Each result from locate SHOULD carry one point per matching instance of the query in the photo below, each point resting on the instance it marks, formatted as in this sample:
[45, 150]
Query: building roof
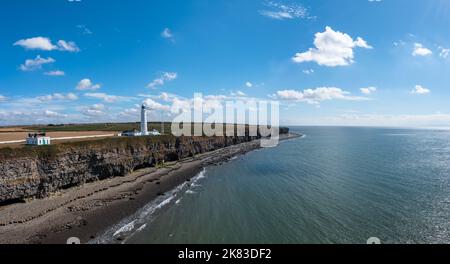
[37, 135]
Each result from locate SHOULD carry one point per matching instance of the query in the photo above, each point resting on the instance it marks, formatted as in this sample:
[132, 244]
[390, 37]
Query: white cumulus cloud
[36, 64]
[68, 46]
[238, 94]
[55, 73]
[43, 43]
[444, 52]
[165, 77]
[86, 84]
[368, 90]
[95, 110]
[84, 30]
[420, 50]
[58, 96]
[53, 114]
[419, 89]
[308, 72]
[155, 105]
[332, 48]
[315, 96]
[167, 34]
[107, 98]
[37, 43]
[281, 11]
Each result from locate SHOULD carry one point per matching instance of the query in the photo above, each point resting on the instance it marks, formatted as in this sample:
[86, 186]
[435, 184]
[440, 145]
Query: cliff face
[37, 172]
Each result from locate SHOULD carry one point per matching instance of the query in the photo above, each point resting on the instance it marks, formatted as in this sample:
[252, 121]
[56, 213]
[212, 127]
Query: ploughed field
[13, 136]
[71, 130]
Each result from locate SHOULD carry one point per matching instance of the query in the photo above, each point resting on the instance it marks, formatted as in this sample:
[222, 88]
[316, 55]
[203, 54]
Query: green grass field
[99, 127]
[117, 127]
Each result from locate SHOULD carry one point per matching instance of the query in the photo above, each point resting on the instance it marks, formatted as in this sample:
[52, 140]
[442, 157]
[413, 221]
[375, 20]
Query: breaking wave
[126, 228]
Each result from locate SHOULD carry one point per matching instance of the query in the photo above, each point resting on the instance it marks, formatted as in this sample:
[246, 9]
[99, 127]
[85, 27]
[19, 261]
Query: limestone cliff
[35, 172]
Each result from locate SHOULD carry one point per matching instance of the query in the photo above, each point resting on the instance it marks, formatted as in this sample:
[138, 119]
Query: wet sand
[87, 211]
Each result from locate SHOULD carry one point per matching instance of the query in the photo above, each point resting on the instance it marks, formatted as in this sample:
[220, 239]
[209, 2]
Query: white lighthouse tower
[144, 128]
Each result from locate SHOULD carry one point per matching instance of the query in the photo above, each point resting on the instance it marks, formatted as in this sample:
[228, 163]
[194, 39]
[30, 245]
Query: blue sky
[349, 62]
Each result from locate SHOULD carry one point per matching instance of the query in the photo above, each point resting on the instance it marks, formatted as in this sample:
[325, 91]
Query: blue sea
[334, 185]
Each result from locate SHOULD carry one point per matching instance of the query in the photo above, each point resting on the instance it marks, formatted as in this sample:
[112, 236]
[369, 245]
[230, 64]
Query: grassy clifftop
[52, 150]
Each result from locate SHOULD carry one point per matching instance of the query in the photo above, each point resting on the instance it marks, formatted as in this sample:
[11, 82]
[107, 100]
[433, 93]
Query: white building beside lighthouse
[38, 139]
